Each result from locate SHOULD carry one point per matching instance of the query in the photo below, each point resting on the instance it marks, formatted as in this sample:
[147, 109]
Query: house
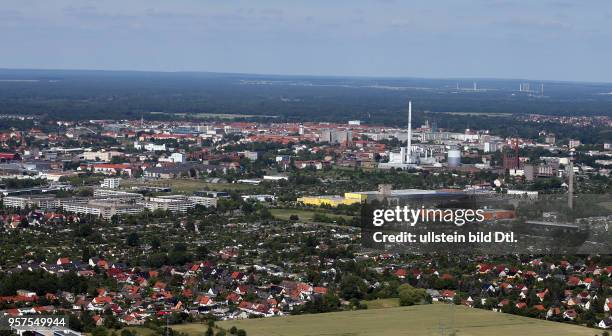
[159, 286]
[205, 301]
[304, 288]
[113, 169]
[26, 293]
[320, 290]
[98, 320]
[63, 261]
[570, 314]
[401, 273]
[233, 297]
[7, 157]
[133, 319]
[503, 303]
[435, 295]
[448, 294]
[241, 290]
[605, 323]
[542, 295]
[554, 311]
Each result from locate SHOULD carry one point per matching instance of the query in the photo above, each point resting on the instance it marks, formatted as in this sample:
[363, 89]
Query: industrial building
[410, 156]
[174, 203]
[107, 203]
[178, 203]
[406, 158]
[38, 202]
[332, 201]
[454, 158]
[384, 192]
[105, 208]
[116, 194]
[532, 171]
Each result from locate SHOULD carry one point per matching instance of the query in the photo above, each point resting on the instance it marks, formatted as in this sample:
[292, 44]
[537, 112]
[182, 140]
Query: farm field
[415, 320]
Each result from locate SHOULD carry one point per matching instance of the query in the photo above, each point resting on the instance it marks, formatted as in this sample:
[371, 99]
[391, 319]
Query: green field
[140, 331]
[415, 320]
[192, 329]
[188, 186]
[304, 214]
[381, 303]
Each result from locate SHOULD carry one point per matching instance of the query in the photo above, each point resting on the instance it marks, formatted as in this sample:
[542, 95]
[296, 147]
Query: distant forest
[131, 95]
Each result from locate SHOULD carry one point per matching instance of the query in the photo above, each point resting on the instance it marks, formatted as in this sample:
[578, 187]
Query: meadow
[435, 319]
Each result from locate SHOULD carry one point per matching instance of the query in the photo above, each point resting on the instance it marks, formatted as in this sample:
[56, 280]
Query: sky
[523, 39]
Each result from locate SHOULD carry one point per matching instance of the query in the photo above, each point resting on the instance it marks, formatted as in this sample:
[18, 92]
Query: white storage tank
[454, 158]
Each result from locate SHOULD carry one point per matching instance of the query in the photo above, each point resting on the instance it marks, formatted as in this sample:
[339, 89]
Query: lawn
[435, 319]
[303, 214]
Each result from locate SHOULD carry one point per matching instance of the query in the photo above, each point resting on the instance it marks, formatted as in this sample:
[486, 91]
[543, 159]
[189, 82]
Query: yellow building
[358, 196]
[333, 201]
[415, 196]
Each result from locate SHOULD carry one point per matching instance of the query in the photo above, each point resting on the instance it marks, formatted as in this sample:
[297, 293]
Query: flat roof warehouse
[384, 192]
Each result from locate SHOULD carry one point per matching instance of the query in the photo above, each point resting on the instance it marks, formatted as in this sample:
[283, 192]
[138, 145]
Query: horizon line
[305, 75]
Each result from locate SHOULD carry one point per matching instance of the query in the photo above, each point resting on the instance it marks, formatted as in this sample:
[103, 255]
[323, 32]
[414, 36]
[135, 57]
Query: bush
[410, 296]
[99, 331]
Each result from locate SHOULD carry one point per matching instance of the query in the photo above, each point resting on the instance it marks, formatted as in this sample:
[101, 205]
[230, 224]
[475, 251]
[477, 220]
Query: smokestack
[570, 186]
[409, 143]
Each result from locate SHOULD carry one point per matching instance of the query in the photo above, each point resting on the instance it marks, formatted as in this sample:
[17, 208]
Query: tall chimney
[409, 143]
[570, 186]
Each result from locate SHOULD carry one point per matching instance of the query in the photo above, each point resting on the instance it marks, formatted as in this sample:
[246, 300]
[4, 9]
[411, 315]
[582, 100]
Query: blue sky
[538, 39]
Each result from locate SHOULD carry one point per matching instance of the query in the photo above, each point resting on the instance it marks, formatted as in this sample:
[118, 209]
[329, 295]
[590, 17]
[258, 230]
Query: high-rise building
[336, 136]
[110, 183]
[490, 147]
[573, 143]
